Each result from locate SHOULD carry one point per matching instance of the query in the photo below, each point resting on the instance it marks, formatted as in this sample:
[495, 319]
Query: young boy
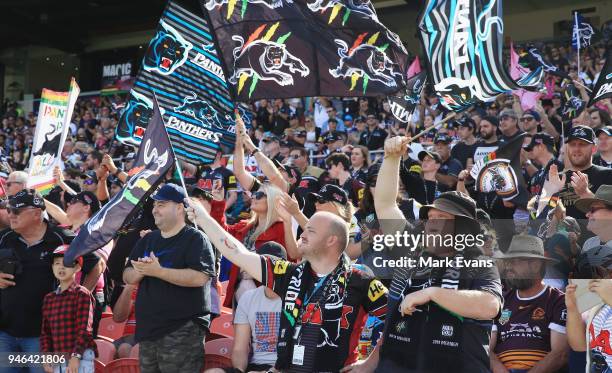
[67, 316]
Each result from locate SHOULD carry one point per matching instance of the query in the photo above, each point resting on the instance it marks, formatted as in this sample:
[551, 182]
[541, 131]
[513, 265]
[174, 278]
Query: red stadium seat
[123, 366]
[135, 351]
[221, 346]
[98, 366]
[110, 329]
[106, 350]
[216, 361]
[223, 325]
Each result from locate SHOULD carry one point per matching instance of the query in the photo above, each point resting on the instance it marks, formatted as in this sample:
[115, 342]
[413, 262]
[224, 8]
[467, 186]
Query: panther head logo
[167, 51]
[136, 115]
[274, 56]
[379, 60]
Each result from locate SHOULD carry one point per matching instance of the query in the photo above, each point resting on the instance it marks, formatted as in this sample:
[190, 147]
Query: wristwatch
[255, 151]
[78, 356]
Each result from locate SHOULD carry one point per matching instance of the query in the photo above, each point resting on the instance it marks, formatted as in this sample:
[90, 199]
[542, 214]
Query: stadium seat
[110, 329]
[223, 325]
[98, 366]
[216, 361]
[128, 365]
[106, 350]
[135, 351]
[221, 346]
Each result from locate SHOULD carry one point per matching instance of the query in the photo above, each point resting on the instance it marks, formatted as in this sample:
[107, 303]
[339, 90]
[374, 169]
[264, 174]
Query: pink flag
[528, 99]
[415, 68]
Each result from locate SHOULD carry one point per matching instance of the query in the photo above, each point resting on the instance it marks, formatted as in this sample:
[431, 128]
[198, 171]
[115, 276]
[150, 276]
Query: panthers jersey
[208, 177]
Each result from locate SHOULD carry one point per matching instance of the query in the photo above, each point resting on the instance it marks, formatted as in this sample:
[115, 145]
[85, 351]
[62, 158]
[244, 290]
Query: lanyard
[314, 291]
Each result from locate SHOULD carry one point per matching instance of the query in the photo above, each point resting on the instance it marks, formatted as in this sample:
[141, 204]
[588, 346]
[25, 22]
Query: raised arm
[385, 195]
[57, 213]
[244, 178]
[229, 246]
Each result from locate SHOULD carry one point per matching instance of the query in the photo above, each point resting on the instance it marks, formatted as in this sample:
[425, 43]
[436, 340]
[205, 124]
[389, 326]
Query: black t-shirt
[451, 167]
[373, 139]
[599, 161]
[162, 307]
[21, 305]
[360, 174]
[434, 340]
[462, 151]
[423, 191]
[208, 176]
[263, 119]
[597, 177]
[340, 319]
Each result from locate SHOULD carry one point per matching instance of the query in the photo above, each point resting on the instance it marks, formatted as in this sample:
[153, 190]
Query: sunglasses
[527, 119]
[88, 182]
[259, 195]
[18, 211]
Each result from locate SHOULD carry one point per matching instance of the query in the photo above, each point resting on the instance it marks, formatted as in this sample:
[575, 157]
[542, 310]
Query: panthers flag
[463, 43]
[500, 171]
[154, 159]
[402, 105]
[295, 48]
[581, 33]
[532, 58]
[182, 68]
[603, 86]
[574, 105]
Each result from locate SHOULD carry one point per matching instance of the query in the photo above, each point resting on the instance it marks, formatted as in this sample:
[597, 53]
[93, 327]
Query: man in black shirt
[26, 250]
[374, 136]
[172, 267]
[508, 125]
[450, 167]
[541, 151]
[325, 299]
[339, 166]
[432, 324]
[488, 135]
[209, 176]
[463, 151]
[423, 186]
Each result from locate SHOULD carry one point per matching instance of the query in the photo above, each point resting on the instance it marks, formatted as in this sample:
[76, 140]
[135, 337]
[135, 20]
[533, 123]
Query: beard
[520, 283]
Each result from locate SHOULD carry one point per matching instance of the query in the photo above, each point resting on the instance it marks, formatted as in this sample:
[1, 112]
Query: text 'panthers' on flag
[463, 43]
[295, 48]
[603, 86]
[54, 116]
[182, 68]
[500, 171]
[154, 159]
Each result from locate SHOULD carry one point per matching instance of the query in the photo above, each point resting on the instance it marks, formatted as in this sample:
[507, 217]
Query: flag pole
[577, 36]
[426, 130]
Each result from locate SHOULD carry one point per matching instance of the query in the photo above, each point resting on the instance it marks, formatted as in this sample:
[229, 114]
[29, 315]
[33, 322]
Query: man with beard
[541, 151]
[488, 134]
[432, 325]
[530, 333]
[581, 177]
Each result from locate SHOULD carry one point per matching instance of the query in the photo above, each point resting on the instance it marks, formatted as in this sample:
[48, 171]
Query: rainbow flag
[54, 117]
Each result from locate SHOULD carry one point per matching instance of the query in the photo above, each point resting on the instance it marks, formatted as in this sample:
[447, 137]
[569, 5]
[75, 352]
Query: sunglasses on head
[259, 195]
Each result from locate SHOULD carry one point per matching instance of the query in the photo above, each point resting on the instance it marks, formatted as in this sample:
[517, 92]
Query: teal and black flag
[182, 68]
[154, 159]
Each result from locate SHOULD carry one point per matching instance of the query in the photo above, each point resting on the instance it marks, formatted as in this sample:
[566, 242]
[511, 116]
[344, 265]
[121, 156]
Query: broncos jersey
[525, 325]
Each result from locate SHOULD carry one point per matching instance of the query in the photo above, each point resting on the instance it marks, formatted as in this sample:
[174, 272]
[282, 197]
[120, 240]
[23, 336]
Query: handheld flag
[500, 171]
[54, 116]
[528, 99]
[581, 33]
[603, 86]
[463, 43]
[154, 159]
[573, 103]
[534, 59]
[182, 68]
[295, 48]
[403, 105]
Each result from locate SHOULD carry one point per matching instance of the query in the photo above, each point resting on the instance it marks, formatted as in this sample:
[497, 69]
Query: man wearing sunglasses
[29, 243]
[508, 125]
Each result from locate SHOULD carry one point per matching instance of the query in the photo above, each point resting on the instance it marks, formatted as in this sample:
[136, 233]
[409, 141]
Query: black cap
[332, 119]
[541, 138]
[442, 137]
[467, 122]
[332, 136]
[583, 133]
[27, 198]
[360, 118]
[491, 119]
[331, 193]
[435, 156]
[89, 199]
[274, 249]
[607, 130]
[198, 192]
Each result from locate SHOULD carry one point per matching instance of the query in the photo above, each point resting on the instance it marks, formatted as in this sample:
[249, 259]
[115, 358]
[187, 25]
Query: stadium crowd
[280, 235]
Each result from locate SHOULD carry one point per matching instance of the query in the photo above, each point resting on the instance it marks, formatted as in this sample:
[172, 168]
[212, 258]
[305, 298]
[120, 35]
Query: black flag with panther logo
[463, 44]
[403, 105]
[154, 159]
[295, 48]
[573, 103]
[603, 86]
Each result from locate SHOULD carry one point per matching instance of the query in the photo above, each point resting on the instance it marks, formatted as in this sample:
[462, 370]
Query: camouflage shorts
[179, 351]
